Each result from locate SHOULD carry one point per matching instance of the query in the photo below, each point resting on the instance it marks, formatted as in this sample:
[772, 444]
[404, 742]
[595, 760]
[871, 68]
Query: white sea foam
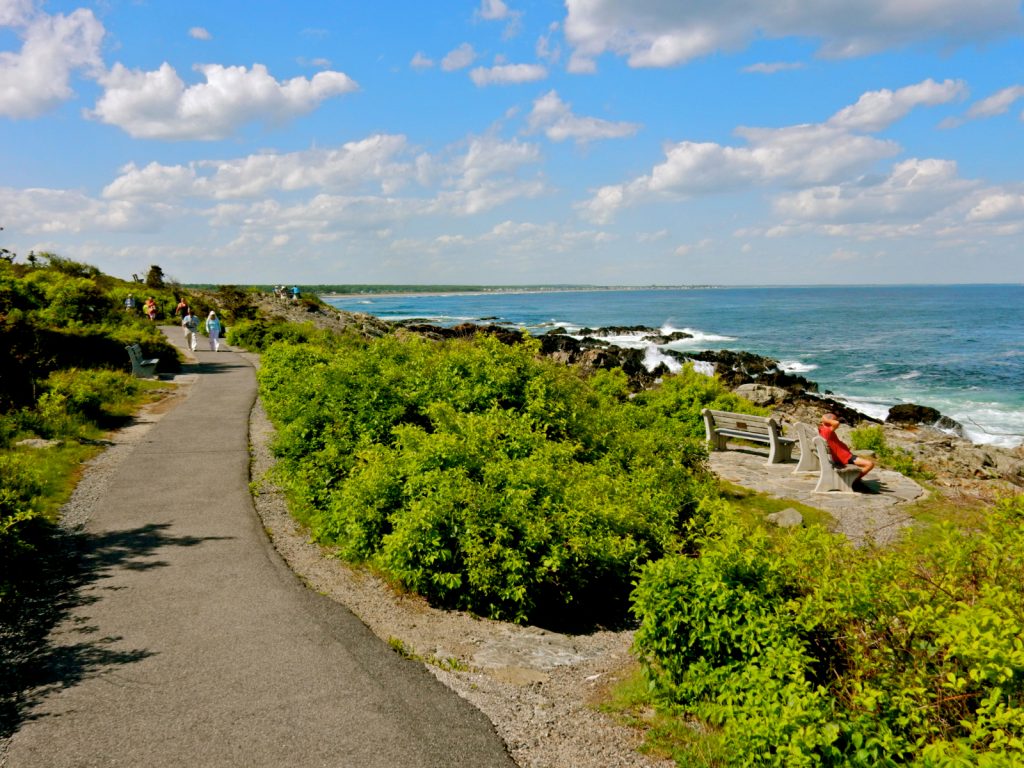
[795, 366]
[699, 337]
[988, 425]
[983, 423]
[653, 357]
[704, 367]
[876, 409]
[909, 375]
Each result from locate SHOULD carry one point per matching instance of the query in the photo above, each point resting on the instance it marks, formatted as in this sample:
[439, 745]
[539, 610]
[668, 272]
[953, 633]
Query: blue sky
[517, 142]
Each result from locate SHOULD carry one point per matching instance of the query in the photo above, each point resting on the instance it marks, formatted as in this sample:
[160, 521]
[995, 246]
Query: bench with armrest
[141, 368]
[808, 463]
[833, 478]
[719, 426]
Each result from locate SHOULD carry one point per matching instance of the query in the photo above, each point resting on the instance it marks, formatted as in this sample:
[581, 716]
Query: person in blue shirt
[213, 329]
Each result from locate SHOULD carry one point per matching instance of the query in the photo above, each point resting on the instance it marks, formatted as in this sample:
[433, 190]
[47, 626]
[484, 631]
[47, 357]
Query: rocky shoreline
[933, 440]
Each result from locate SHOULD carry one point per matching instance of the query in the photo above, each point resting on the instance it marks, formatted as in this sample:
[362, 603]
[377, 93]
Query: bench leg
[780, 453]
[716, 442]
[832, 479]
[807, 464]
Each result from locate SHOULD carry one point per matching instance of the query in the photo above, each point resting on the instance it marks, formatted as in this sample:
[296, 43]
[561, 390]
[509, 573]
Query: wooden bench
[721, 425]
[142, 369]
[833, 478]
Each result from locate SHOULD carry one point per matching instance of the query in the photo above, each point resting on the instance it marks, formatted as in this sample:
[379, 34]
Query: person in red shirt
[841, 453]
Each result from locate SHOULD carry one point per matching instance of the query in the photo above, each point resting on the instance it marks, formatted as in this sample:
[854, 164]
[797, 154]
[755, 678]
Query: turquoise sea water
[956, 348]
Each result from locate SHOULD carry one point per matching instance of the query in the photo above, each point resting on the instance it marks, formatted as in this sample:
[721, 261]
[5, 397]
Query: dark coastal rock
[617, 330]
[736, 368]
[909, 413]
[662, 338]
[465, 331]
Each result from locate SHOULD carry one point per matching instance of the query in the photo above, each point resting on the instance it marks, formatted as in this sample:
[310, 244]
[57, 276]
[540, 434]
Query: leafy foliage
[804, 651]
[63, 376]
[479, 475]
[872, 438]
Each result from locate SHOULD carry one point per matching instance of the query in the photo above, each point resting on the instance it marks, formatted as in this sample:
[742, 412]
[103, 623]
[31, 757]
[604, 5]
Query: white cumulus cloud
[377, 161]
[159, 105]
[792, 156]
[493, 10]
[200, 33]
[998, 206]
[997, 103]
[654, 33]
[40, 211]
[508, 74]
[771, 67]
[37, 78]
[421, 61]
[913, 190]
[877, 110]
[555, 118]
[458, 58]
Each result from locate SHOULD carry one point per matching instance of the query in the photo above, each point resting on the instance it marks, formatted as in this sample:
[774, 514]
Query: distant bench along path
[192, 644]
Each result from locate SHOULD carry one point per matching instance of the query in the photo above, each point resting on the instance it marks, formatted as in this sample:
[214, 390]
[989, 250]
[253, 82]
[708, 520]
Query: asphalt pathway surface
[194, 645]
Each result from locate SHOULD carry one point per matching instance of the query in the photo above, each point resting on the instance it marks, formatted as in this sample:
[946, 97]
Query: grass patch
[753, 506]
[60, 468]
[666, 735]
[447, 663]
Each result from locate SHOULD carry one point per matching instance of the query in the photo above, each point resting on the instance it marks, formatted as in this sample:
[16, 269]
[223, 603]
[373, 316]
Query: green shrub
[872, 438]
[22, 484]
[803, 651]
[682, 396]
[91, 394]
[480, 475]
[258, 335]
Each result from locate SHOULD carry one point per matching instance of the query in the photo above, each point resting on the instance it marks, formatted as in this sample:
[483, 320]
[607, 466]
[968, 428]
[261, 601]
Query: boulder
[786, 518]
[910, 413]
[762, 394]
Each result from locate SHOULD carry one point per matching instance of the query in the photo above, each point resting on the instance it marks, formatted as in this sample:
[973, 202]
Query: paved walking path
[875, 516]
[192, 644]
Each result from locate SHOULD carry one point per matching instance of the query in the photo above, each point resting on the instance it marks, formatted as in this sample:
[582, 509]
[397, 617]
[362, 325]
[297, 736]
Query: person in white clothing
[190, 324]
[213, 329]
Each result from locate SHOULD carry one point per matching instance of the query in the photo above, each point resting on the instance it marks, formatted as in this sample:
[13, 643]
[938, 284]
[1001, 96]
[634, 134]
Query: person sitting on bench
[841, 453]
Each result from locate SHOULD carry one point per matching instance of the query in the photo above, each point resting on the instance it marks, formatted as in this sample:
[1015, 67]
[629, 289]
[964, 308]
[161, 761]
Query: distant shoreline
[485, 291]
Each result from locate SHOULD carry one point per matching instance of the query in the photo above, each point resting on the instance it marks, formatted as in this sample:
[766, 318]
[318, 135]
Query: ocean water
[959, 349]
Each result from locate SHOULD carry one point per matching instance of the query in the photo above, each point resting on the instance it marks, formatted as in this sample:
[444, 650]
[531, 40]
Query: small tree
[155, 278]
[5, 254]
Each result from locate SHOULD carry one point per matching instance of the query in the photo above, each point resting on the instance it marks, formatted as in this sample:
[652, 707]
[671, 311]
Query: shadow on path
[61, 575]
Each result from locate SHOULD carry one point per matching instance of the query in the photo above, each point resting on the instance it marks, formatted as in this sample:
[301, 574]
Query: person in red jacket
[841, 453]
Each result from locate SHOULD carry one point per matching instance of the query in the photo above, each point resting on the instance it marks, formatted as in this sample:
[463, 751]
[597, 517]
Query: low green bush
[684, 395]
[480, 475]
[801, 650]
[258, 335]
[872, 438]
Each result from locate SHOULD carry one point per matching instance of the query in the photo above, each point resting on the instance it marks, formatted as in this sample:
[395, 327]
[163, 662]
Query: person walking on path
[129, 303]
[190, 323]
[213, 330]
[840, 451]
[182, 308]
[189, 642]
[150, 309]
